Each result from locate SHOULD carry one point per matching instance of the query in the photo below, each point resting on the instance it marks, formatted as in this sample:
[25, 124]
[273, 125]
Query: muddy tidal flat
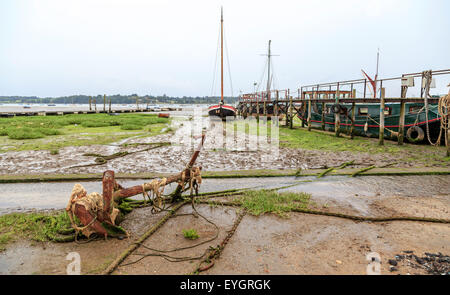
[265, 236]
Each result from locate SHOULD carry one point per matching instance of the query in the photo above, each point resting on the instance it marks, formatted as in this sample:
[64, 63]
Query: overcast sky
[58, 48]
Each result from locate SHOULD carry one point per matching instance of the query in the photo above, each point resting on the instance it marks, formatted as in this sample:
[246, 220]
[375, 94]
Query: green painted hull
[413, 117]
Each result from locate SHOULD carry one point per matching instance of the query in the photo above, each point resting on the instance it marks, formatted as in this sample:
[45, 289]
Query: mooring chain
[174, 258]
[214, 253]
[427, 75]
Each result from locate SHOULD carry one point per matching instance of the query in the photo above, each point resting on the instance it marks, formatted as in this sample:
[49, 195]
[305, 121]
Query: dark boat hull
[412, 118]
[222, 111]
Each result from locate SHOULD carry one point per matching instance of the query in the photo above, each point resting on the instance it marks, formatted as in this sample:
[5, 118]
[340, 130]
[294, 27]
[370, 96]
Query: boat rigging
[221, 110]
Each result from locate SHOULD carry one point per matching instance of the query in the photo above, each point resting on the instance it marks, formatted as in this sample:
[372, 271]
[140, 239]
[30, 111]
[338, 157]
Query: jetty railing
[285, 102]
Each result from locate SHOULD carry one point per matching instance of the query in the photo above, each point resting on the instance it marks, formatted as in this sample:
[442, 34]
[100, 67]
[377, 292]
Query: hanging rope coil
[393, 133]
[93, 203]
[195, 179]
[427, 75]
[444, 112]
[156, 187]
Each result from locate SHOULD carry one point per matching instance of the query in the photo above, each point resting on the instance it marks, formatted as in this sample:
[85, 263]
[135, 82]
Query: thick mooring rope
[444, 112]
[156, 187]
[214, 253]
[178, 259]
[147, 234]
[341, 215]
[93, 203]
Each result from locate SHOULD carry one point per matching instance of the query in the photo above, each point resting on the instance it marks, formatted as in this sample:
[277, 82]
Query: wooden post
[323, 115]
[108, 189]
[303, 110]
[447, 142]
[286, 107]
[257, 108]
[381, 131]
[309, 115]
[365, 86]
[265, 108]
[90, 105]
[104, 102]
[401, 123]
[337, 117]
[275, 106]
[110, 105]
[309, 110]
[291, 109]
[95, 104]
[352, 128]
[401, 119]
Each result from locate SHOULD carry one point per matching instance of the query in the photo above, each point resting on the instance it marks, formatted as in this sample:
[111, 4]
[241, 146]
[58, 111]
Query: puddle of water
[343, 186]
[359, 192]
[354, 192]
[15, 197]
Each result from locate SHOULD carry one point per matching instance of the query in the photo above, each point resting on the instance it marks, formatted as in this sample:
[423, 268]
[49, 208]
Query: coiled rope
[93, 204]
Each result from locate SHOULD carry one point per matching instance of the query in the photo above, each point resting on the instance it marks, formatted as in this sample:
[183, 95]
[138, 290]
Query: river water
[9, 108]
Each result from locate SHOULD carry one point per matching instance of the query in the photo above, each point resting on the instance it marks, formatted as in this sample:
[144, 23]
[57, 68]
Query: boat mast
[221, 54]
[376, 75]
[268, 70]
[378, 59]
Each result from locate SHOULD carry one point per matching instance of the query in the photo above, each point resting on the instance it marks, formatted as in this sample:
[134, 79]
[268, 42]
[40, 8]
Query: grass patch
[36, 226]
[131, 127]
[54, 152]
[54, 132]
[30, 133]
[259, 202]
[92, 124]
[190, 234]
[24, 133]
[301, 138]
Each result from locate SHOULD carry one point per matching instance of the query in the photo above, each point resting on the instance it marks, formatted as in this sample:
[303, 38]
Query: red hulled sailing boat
[221, 110]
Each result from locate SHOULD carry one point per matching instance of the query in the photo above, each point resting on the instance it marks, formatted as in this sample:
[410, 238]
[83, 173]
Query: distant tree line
[116, 99]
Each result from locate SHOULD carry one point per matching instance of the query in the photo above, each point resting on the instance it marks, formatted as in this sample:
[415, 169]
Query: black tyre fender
[420, 134]
[336, 108]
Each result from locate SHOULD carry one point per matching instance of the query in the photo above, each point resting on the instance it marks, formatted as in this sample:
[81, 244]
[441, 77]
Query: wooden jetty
[301, 103]
[104, 111]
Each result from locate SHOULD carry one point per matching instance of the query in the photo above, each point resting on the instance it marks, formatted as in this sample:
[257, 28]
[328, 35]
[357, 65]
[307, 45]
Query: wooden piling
[95, 104]
[287, 110]
[323, 115]
[337, 117]
[90, 105]
[303, 110]
[401, 123]
[275, 106]
[447, 142]
[108, 181]
[257, 108]
[309, 112]
[291, 109]
[104, 102]
[401, 119]
[381, 131]
[109, 111]
[352, 128]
